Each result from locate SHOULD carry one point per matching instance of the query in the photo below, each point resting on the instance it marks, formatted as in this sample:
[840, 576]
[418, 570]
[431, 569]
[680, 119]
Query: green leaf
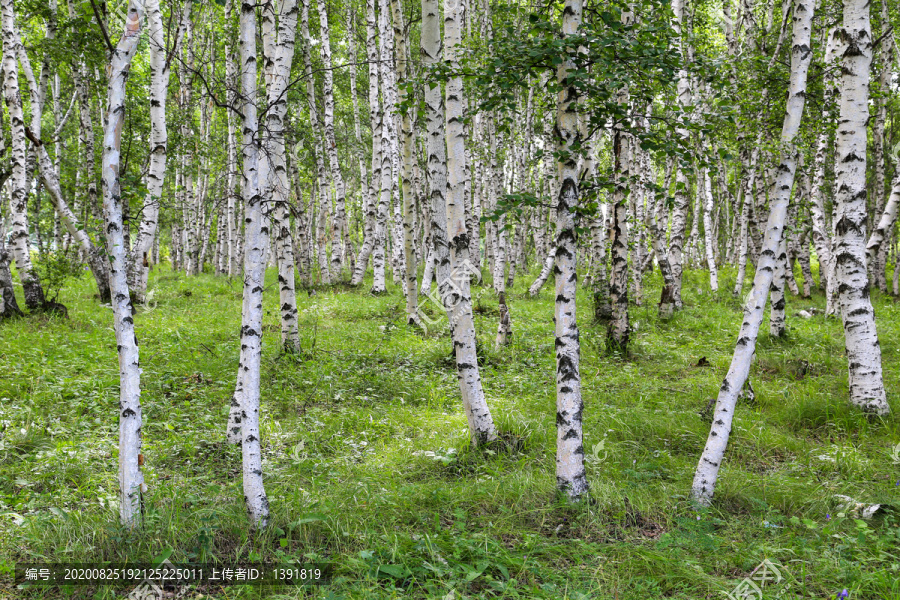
[395, 571]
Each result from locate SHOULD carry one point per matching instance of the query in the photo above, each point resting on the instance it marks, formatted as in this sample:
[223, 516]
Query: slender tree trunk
[340, 191]
[885, 223]
[408, 139]
[707, 471]
[546, 269]
[277, 187]
[749, 194]
[679, 216]
[709, 242]
[139, 265]
[131, 479]
[456, 292]
[233, 200]
[321, 221]
[371, 232]
[877, 259]
[300, 228]
[247, 389]
[617, 328]
[19, 230]
[820, 236]
[95, 256]
[386, 183]
[365, 189]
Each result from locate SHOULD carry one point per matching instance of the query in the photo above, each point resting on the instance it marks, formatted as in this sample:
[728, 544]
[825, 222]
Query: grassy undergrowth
[367, 461]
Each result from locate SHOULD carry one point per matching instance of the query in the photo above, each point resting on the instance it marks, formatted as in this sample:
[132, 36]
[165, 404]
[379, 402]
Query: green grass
[367, 461]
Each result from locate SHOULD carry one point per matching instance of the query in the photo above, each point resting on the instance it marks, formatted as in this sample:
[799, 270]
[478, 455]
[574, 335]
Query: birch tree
[707, 471]
[279, 58]
[337, 178]
[861, 338]
[18, 223]
[139, 267]
[571, 477]
[247, 389]
[455, 290]
[131, 479]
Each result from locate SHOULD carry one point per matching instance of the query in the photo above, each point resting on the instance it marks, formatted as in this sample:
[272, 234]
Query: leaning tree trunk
[18, 238]
[94, 255]
[571, 477]
[861, 338]
[456, 291]
[131, 480]
[885, 223]
[707, 471]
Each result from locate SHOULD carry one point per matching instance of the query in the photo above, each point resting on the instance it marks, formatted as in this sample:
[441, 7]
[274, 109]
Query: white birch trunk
[861, 338]
[571, 477]
[19, 230]
[458, 299]
[9, 307]
[679, 216]
[708, 237]
[131, 479]
[276, 187]
[408, 139]
[885, 222]
[707, 472]
[748, 195]
[247, 390]
[370, 234]
[776, 292]
[139, 266]
[337, 178]
[93, 255]
[321, 219]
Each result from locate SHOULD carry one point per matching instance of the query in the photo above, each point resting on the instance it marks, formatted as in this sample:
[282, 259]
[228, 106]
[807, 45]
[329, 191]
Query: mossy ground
[367, 462]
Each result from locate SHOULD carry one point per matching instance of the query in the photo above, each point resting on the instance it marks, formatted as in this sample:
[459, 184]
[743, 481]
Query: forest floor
[367, 464]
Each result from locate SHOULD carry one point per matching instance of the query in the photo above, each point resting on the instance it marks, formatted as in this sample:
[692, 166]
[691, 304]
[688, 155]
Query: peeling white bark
[860, 335]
